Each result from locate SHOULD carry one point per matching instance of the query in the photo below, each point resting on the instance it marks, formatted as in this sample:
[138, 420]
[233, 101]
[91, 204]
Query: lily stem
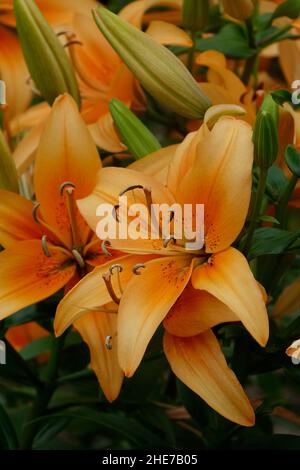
[251, 63]
[191, 53]
[256, 208]
[44, 395]
[281, 213]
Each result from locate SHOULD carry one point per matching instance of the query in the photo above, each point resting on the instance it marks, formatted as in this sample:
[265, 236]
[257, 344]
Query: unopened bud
[134, 134]
[195, 14]
[45, 56]
[160, 72]
[265, 136]
[239, 9]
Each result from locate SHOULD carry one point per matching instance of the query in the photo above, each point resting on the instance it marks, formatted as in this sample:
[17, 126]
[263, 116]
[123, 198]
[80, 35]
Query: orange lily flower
[49, 246]
[189, 291]
[102, 76]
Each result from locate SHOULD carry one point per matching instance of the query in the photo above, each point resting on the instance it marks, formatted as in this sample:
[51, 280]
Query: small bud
[195, 14]
[292, 158]
[160, 72]
[239, 9]
[137, 138]
[265, 136]
[45, 56]
[8, 171]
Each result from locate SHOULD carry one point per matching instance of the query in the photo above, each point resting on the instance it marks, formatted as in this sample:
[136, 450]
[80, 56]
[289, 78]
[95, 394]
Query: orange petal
[21, 335]
[156, 164]
[91, 293]
[66, 153]
[28, 276]
[16, 221]
[214, 168]
[135, 11]
[111, 182]
[104, 134]
[26, 149]
[168, 34]
[227, 276]
[94, 328]
[288, 301]
[195, 312]
[14, 73]
[145, 303]
[200, 364]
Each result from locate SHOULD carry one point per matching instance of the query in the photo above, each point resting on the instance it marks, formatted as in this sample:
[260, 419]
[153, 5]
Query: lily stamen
[71, 43]
[115, 212]
[68, 188]
[119, 269]
[78, 258]
[168, 240]
[136, 268]
[45, 246]
[107, 279]
[104, 244]
[108, 343]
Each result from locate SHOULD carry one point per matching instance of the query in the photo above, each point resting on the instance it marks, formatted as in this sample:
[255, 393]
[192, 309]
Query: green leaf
[231, 41]
[36, 347]
[292, 158]
[276, 183]
[290, 8]
[271, 241]
[49, 430]
[8, 437]
[16, 369]
[281, 96]
[269, 218]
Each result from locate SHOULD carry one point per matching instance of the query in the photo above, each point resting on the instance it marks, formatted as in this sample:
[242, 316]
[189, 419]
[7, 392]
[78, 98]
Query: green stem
[282, 209]
[256, 208]
[44, 395]
[191, 53]
[252, 61]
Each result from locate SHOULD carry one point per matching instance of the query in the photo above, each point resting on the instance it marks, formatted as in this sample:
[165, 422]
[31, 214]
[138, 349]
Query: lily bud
[45, 56]
[239, 9]
[292, 159]
[8, 171]
[265, 136]
[195, 14]
[161, 73]
[137, 138]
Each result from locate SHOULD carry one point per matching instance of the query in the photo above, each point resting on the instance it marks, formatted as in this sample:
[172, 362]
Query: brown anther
[168, 240]
[107, 279]
[115, 212]
[66, 184]
[136, 268]
[35, 211]
[79, 259]
[104, 244]
[73, 42]
[172, 215]
[119, 268]
[45, 246]
[131, 188]
[108, 343]
[69, 34]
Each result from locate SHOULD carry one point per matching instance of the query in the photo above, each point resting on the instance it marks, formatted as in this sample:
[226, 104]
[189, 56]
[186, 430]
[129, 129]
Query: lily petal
[145, 303]
[70, 156]
[227, 276]
[16, 221]
[168, 34]
[196, 311]
[156, 164]
[28, 276]
[200, 364]
[94, 328]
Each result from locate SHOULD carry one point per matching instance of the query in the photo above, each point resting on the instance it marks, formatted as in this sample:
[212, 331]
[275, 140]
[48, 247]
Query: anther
[168, 240]
[136, 269]
[104, 249]
[45, 246]
[119, 268]
[66, 184]
[35, 211]
[172, 215]
[72, 43]
[115, 212]
[131, 188]
[108, 343]
[78, 258]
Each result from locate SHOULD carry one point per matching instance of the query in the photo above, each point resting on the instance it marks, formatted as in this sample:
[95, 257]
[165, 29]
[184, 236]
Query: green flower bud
[239, 9]
[292, 158]
[195, 14]
[265, 136]
[161, 73]
[8, 171]
[137, 138]
[45, 56]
